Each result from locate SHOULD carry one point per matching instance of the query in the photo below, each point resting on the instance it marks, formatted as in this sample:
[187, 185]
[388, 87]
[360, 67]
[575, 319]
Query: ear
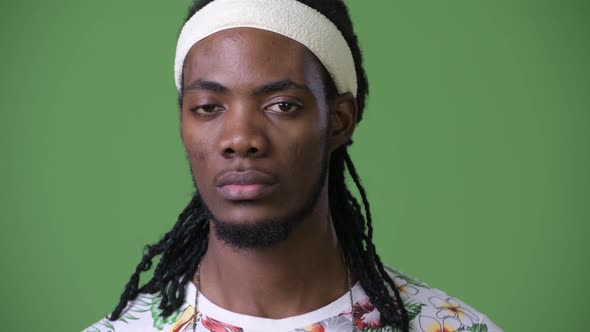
[343, 115]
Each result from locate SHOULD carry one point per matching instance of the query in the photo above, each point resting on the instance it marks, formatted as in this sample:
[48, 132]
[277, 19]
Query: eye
[283, 107]
[208, 109]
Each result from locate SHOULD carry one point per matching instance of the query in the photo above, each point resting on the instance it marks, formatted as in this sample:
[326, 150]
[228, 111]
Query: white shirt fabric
[429, 309]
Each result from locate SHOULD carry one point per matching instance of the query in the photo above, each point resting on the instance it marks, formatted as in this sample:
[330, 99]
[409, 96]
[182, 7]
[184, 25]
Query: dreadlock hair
[182, 248]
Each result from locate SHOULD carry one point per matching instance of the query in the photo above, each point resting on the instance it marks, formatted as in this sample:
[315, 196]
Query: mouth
[246, 185]
[245, 192]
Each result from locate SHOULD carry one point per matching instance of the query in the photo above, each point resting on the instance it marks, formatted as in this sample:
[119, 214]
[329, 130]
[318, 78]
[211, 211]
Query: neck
[296, 276]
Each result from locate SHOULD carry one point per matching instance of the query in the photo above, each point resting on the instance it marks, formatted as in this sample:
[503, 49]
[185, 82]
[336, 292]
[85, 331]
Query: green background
[475, 152]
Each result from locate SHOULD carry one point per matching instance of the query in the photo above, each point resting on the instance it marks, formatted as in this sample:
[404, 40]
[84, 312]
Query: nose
[243, 133]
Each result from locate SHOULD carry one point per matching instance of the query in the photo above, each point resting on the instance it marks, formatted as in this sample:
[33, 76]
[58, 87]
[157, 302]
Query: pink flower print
[365, 315]
[214, 325]
[451, 308]
[430, 324]
[404, 287]
[317, 327]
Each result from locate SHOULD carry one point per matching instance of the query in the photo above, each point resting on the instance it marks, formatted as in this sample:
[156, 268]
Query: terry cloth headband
[289, 18]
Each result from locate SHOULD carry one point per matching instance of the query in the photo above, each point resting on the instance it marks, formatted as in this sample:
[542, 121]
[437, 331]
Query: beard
[266, 233]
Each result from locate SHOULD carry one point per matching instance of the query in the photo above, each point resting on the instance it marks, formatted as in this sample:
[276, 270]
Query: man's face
[254, 123]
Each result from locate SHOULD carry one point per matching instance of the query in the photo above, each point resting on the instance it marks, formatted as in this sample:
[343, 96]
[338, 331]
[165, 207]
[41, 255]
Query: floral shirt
[429, 310]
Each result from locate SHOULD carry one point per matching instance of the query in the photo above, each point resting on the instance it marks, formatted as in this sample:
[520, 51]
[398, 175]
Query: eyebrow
[280, 86]
[276, 86]
[207, 85]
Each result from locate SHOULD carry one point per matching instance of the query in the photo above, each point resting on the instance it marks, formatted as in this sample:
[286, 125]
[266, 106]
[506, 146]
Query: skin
[230, 123]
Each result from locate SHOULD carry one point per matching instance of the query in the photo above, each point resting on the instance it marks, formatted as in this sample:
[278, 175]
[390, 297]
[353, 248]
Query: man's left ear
[343, 114]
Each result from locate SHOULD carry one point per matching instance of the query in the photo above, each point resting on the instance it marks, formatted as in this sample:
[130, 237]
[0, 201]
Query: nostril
[252, 151]
[229, 151]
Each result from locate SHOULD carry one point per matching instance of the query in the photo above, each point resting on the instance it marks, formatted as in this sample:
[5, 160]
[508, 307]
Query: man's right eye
[208, 109]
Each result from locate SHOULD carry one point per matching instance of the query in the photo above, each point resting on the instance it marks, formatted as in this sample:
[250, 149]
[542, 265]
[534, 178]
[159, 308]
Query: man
[270, 92]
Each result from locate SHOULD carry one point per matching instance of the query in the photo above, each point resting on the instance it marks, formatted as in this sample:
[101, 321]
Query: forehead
[242, 55]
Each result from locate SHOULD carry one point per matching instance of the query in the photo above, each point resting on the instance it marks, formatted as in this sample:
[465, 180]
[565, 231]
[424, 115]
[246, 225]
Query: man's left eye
[283, 107]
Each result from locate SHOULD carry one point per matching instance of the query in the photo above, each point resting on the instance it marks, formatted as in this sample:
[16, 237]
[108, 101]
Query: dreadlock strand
[183, 260]
[131, 288]
[353, 173]
[405, 321]
[344, 207]
[382, 300]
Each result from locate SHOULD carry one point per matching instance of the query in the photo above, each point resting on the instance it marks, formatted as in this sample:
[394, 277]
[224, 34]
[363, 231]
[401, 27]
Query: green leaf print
[127, 317]
[414, 309]
[475, 328]
[478, 328]
[107, 324]
[159, 321]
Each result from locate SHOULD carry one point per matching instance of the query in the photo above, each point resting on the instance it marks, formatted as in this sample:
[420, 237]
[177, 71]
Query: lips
[245, 185]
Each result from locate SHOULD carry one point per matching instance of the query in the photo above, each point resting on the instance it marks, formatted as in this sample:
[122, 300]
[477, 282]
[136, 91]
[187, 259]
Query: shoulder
[431, 309]
[141, 315]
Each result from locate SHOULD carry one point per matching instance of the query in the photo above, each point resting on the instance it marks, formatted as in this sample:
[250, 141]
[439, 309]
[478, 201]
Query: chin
[247, 214]
[250, 227]
[254, 234]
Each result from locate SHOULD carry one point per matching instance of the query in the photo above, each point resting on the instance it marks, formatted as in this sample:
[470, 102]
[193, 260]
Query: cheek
[197, 147]
[305, 153]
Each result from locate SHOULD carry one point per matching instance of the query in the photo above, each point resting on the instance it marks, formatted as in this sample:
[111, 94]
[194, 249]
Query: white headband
[289, 18]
